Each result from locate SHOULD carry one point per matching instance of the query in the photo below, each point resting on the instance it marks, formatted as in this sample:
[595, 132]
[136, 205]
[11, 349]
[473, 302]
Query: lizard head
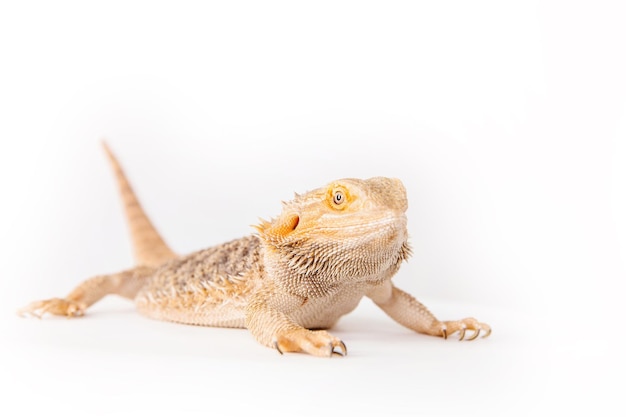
[354, 227]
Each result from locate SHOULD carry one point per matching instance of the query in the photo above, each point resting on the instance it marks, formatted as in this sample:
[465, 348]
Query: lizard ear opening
[279, 227]
[295, 220]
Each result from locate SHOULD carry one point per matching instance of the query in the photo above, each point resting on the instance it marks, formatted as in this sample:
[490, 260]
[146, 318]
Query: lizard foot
[317, 343]
[446, 328]
[56, 306]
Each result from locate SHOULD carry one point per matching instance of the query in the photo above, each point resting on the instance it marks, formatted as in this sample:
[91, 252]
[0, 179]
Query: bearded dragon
[287, 283]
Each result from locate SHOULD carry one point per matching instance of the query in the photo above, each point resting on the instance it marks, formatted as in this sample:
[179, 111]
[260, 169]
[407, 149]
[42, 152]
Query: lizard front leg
[272, 327]
[406, 310]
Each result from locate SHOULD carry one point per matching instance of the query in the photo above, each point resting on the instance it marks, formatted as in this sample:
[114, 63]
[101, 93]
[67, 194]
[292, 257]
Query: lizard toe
[462, 326]
[317, 343]
[54, 306]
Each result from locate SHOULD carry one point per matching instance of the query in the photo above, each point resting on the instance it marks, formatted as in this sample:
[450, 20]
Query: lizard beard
[315, 268]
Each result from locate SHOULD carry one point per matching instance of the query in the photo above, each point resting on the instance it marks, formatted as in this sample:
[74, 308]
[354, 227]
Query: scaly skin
[296, 277]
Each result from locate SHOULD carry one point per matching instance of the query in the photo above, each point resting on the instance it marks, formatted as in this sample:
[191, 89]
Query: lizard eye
[338, 197]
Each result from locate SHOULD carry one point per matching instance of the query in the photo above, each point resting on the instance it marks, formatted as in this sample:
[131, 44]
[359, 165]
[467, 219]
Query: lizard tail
[149, 247]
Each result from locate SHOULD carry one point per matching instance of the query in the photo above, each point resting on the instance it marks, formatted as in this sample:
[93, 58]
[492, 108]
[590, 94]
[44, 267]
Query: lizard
[288, 283]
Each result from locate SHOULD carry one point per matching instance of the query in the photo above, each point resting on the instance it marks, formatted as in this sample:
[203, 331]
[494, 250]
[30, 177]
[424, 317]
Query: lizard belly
[192, 310]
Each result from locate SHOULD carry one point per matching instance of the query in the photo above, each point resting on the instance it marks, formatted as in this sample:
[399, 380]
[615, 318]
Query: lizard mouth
[364, 224]
[358, 232]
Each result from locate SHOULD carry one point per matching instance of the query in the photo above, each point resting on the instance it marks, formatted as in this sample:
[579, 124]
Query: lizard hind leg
[126, 284]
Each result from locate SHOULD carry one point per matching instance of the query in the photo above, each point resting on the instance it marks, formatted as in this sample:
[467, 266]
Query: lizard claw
[277, 347]
[475, 335]
[462, 333]
[343, 350]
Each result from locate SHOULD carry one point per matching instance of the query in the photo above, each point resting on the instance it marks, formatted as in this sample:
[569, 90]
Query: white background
[506, 121]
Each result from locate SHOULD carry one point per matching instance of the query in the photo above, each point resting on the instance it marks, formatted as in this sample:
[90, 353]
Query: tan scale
[294, 278]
